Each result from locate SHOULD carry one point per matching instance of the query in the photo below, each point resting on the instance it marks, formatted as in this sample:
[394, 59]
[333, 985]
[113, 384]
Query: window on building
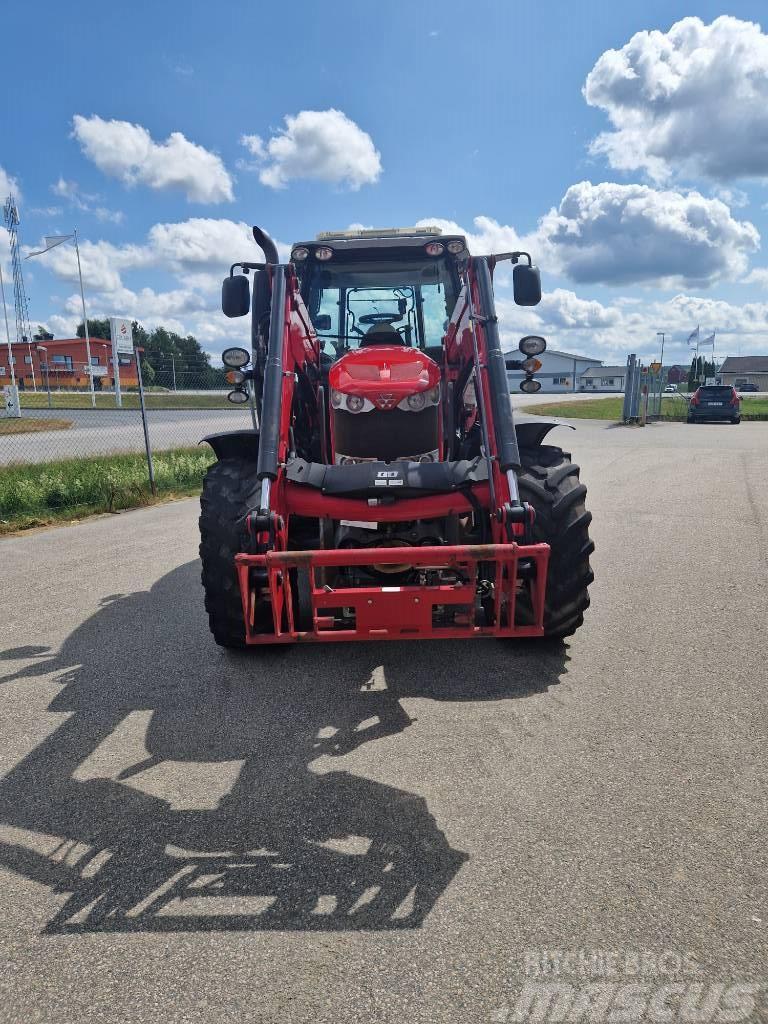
[28, 360]
[565, 381]
[2, 371]
[13, 360]
[95, 361]
[608, 382]
[62, 361]
[124, 360]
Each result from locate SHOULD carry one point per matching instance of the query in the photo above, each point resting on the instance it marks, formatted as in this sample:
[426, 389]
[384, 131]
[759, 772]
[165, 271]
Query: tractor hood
[384, 374]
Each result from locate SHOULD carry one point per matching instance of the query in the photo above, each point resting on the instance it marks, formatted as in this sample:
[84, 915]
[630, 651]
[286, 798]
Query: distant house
[603, 378]
[677, 374]
[560, 371]
[740, 370]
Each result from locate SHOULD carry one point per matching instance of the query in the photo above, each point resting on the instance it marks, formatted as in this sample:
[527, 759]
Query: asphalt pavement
[391, 833]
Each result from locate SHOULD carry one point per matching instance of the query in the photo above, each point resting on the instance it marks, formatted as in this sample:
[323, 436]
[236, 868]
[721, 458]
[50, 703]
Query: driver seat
[381, 334]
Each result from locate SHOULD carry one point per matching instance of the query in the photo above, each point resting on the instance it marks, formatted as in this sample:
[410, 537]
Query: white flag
[51, 241]
[709, 341]
[693, 338]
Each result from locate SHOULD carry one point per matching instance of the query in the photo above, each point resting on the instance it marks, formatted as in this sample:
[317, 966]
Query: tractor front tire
[549, 481]
[228, 493]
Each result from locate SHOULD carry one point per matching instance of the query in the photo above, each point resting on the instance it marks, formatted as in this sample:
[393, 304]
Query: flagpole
[7, 331]
[85, 324]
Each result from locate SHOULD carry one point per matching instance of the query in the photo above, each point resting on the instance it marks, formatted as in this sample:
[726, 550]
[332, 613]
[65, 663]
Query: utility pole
[661, 367]
[44, 348]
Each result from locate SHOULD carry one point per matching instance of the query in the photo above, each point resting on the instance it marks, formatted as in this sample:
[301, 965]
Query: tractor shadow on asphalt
[192, 789]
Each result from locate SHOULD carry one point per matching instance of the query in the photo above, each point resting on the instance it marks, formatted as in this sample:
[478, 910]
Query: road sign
[9, 402]
[122, 344]
[655, 367]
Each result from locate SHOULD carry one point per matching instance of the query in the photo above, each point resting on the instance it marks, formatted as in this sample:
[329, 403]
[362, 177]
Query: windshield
[346, 302]
[715, 390]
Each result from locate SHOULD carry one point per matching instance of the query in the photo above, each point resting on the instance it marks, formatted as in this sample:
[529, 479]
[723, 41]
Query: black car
[748, 387]
[714, 402]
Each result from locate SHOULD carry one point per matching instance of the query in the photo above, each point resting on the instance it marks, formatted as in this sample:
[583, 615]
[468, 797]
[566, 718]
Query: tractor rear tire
[229, 491]
[549, 481]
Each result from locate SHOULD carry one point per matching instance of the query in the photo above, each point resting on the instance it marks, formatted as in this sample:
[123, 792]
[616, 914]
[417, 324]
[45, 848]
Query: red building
[63, 364]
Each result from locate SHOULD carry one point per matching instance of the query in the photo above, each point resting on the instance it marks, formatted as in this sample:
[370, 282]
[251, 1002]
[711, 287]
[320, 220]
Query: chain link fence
[69, 453]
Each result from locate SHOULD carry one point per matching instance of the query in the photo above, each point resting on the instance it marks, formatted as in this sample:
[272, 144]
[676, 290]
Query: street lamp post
[51, 242]
[661, 365]
[44, 348]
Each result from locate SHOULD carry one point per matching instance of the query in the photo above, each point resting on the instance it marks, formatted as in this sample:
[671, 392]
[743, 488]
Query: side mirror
[235, 295]
[322, 322]
[526, 282]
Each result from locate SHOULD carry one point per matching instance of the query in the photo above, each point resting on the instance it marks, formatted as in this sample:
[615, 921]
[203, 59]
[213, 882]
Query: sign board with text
[9, 402]
[122, 334]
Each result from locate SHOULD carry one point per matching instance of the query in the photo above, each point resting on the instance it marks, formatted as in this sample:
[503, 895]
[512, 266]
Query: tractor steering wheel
[379, 318]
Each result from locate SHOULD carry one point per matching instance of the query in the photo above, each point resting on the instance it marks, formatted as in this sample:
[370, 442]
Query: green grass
[46, 492]
[26, 425]
[153, 399]
[672, 408]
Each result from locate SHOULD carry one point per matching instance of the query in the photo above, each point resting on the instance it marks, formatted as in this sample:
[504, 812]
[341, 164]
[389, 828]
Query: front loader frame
[396, 612]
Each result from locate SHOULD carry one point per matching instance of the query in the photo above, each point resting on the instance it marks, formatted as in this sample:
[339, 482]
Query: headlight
[455, 246]
[416, 402]
[323, 252]
[434, 248]
[434, 395]
[336, 399]
[530, 386]
[355, 403]
[532, 345]
[235, 357]
[299, 253]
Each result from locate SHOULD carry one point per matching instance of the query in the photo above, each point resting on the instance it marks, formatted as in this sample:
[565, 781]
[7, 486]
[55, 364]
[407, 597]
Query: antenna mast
[23, 330]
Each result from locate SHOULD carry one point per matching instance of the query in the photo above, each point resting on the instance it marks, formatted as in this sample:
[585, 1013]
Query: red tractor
[385, 491]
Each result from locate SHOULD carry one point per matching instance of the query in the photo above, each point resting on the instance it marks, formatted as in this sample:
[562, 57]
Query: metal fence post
[629, 383]
[148, 447]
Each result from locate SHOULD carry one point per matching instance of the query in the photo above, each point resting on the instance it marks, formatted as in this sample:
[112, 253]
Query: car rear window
[716, 391]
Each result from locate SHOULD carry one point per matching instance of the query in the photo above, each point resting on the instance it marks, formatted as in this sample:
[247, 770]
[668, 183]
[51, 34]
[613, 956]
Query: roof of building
[745, 364]
[514, 353]
[55, 341]
[599, 371]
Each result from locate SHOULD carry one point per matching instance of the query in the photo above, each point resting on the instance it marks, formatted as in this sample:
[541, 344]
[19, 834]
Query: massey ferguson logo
[386, 401]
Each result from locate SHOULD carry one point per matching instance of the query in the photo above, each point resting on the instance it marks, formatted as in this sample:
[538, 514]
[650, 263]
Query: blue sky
[129, 122]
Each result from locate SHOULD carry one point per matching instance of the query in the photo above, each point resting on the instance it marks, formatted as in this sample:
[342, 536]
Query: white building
[560, 371]
[603, 378]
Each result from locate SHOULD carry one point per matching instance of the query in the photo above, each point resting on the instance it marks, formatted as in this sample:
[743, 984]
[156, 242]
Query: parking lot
[385, 832]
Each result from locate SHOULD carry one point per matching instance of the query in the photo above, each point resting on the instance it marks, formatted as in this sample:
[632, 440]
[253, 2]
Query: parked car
[714, 402]
[748, 387]
[670, 389]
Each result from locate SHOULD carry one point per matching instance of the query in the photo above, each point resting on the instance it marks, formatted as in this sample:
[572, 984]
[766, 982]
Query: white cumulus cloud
[319, 145]
[8, 186]
[128, 152]
[634, 234]
[690, 101]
